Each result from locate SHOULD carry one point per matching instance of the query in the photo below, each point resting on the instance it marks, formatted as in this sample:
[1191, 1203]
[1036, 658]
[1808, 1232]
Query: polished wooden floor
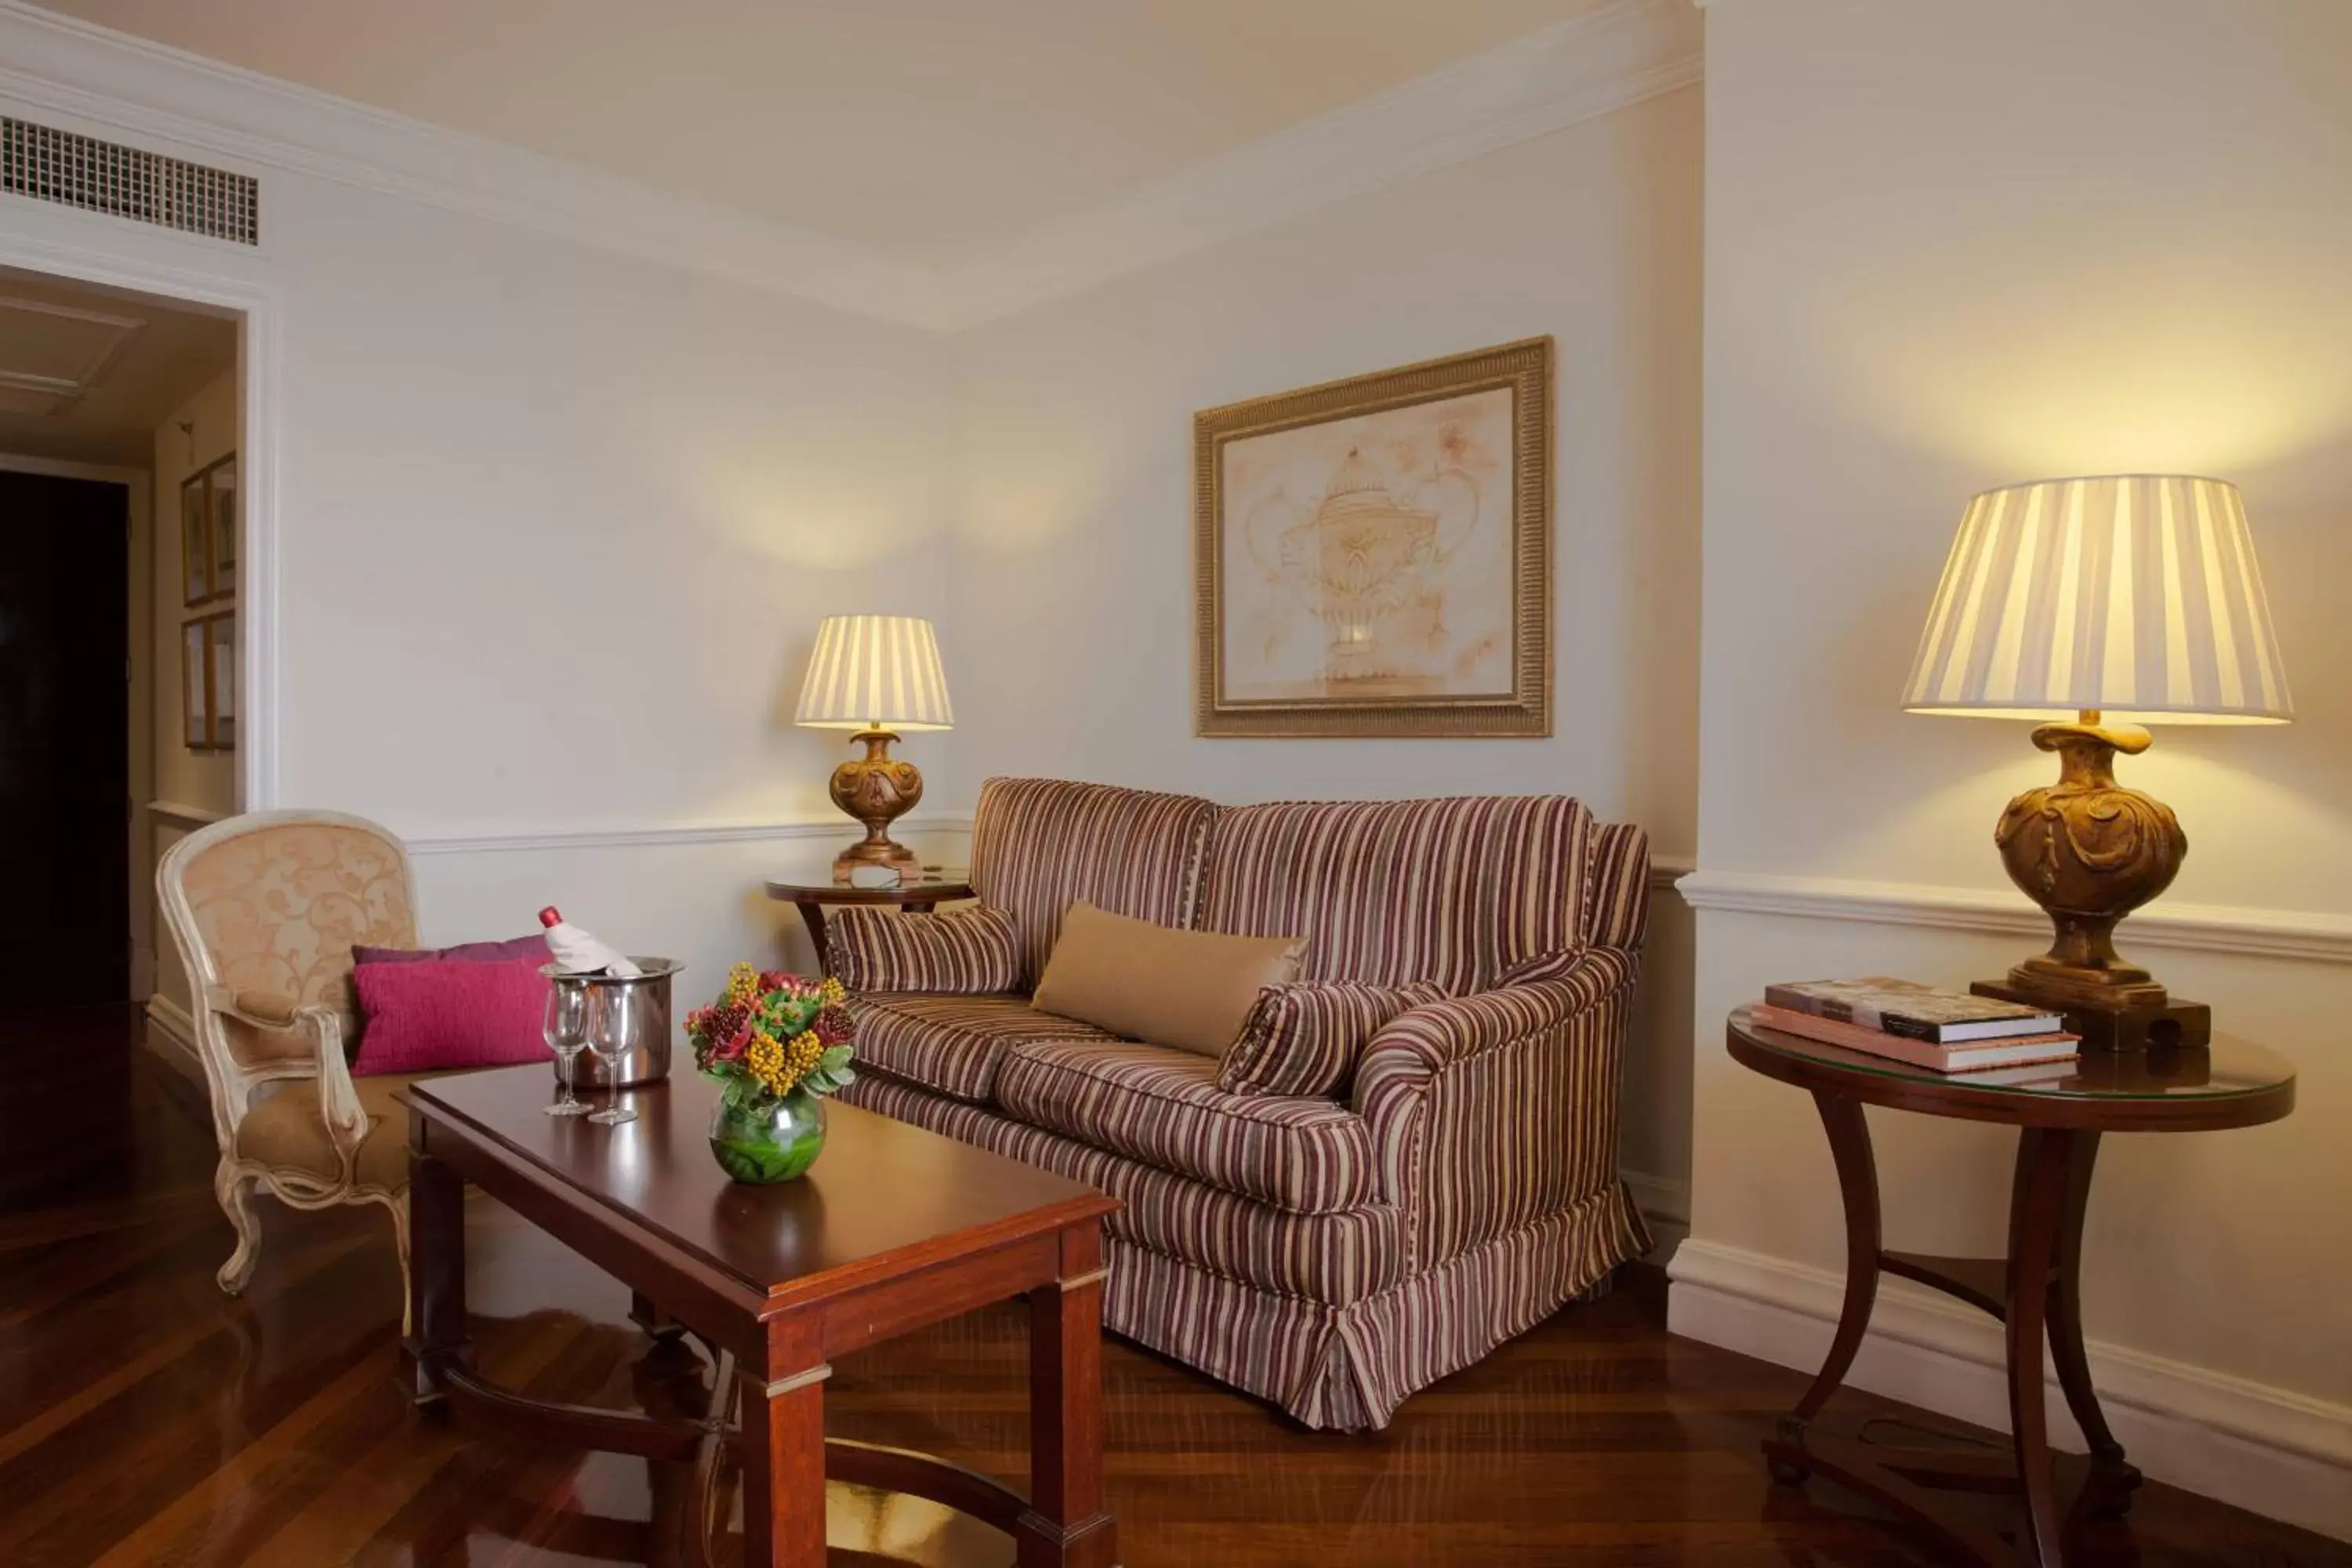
[147, 1420]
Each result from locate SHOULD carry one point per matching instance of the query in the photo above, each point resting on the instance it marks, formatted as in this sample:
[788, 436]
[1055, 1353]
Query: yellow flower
[764, 1059]
[742, 984]
[833, 992]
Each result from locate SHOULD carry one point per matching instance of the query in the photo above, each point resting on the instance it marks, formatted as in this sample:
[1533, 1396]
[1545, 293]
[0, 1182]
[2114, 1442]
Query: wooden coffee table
[895, 1228]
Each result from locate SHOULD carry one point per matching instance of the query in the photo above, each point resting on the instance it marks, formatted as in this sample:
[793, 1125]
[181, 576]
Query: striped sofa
[1330, 1254]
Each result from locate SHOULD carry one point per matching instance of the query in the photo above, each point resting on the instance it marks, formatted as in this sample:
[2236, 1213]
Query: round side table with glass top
[811, 893]
[2193, 1088]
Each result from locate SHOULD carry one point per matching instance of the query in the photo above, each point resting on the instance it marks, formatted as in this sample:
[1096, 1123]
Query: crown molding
[2304, 934]
[113, 83]
[924, 822]
[1605, 59]
[103, 82]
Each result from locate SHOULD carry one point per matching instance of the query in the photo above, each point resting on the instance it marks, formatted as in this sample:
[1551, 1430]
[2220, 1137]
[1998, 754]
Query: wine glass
[600, 1033]
[564, 1025]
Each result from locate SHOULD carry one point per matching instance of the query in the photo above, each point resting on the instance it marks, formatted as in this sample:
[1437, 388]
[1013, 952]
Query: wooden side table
[918, 895]
[2228, 1083]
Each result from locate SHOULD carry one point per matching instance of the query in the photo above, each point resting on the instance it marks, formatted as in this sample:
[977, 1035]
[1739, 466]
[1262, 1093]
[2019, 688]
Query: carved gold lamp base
[2090, 851]
[876, 789]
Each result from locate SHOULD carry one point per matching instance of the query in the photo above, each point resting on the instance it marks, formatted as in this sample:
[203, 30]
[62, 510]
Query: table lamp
[876, 675]
[2095, 603]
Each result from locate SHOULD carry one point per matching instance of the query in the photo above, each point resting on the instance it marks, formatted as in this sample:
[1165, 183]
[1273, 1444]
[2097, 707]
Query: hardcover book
[1969, 1060]
[1913, 1011]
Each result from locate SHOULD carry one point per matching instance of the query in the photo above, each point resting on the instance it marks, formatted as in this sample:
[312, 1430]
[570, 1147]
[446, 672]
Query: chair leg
[236, 1194]
[399, 1207]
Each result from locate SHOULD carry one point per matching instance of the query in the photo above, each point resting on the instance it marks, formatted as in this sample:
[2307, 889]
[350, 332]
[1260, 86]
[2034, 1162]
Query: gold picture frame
[208, 682]
[208, 533]
[1372, 557]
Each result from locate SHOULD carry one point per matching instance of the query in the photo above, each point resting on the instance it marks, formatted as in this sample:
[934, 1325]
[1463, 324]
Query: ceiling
[87, 375]
[931, 128]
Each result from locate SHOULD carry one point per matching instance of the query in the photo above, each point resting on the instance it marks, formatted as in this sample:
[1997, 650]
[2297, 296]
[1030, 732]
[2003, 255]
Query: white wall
[1952, 245]
[1072, 635]
[554, 528]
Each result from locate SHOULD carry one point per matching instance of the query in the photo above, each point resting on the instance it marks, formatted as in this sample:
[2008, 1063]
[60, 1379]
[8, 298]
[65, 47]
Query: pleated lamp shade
[2136, 595]
[875, 672]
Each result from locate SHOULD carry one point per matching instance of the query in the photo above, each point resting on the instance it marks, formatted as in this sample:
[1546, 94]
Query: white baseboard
[1666, 1205]
[2273, 1451]
[171, 1035]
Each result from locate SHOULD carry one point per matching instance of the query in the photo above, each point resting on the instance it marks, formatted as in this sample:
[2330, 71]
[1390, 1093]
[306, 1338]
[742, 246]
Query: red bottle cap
[551, 916]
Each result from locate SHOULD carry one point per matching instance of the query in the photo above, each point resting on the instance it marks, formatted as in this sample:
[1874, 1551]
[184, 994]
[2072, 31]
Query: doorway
[111, 577]
[65, 717]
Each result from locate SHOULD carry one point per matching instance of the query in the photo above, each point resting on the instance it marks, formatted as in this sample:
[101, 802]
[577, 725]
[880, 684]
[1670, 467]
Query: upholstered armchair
[265, 910]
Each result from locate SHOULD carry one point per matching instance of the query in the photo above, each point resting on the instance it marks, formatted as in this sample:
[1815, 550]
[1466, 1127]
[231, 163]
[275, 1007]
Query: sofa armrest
[321, 1028]
[1489, 1111]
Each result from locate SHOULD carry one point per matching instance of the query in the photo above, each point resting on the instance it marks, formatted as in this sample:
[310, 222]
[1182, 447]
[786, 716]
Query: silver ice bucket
[628, 1025]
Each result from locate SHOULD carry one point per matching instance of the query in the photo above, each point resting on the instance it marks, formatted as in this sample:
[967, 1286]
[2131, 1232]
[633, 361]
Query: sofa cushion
[1163, 1105]
[1448, 892]
[1190, 989]
[951, 1044]
[1334, 1258]
[1038, 845]
[1304, 1039]
[969, 952]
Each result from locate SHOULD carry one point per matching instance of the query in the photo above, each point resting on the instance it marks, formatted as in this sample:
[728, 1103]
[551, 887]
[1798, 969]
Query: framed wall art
[208, 681]
[208, 533]
[1372, 557]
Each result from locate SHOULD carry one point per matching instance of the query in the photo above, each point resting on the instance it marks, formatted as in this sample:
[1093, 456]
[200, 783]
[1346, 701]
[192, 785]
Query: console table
[2228, 1083]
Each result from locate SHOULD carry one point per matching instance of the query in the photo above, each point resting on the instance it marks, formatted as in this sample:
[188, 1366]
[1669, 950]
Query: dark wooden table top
[2230, 1082]
[936, 885]
[883, 1198]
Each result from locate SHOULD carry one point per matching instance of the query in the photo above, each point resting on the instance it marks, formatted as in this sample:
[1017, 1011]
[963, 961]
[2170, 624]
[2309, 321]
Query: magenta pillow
[533, 947]
[430, 1012]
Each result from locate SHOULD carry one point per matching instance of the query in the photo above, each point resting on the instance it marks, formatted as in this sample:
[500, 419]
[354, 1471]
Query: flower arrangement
[777, 1044]
[772, 1034]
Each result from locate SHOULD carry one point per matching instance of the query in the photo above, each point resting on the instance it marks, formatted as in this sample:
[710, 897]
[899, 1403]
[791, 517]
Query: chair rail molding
[63, 69]
[549, 839]
[2273, 1450]
[2307, 935]
[188, 815]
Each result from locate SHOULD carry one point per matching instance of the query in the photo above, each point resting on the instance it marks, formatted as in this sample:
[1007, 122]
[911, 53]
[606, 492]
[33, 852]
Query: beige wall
[1951, 245]
[1071, 641]
[204, 781]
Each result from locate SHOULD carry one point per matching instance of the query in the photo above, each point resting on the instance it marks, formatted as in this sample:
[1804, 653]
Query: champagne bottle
[577, 953]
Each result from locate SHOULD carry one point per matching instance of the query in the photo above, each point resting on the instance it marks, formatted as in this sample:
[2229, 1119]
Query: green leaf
[835, 1058]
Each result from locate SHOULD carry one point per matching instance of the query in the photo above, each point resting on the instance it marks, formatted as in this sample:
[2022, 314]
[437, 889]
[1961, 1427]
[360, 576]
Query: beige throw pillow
[1190, 989]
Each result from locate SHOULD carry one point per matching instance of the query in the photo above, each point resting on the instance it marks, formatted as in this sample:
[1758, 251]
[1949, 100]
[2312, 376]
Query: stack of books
[1943, 1031]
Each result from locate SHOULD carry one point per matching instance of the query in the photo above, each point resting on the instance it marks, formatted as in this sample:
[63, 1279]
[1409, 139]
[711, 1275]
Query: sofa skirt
[1344, 1367]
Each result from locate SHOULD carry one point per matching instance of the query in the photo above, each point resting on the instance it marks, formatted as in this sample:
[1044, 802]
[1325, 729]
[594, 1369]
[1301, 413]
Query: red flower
[833, 1027]
[732, 1047]
[719, 1022]
[772, 980]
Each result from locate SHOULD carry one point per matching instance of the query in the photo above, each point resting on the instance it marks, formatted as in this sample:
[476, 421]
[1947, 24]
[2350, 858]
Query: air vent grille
[107, 178]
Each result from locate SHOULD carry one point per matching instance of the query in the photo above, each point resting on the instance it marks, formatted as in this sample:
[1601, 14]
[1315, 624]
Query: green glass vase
[768, 1139]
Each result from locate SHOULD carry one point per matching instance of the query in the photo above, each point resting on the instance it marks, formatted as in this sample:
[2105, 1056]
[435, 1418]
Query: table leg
[2037, 1216]
[813, 917]
[437, 1271]
[1857, 1172]
[784, 1469]
[647, 1315]
[1066, 1525]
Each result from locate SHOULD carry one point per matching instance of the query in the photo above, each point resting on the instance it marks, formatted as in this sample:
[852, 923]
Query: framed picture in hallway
[1372, 557]
[208, 532]
[195, 542]
[208, 681]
